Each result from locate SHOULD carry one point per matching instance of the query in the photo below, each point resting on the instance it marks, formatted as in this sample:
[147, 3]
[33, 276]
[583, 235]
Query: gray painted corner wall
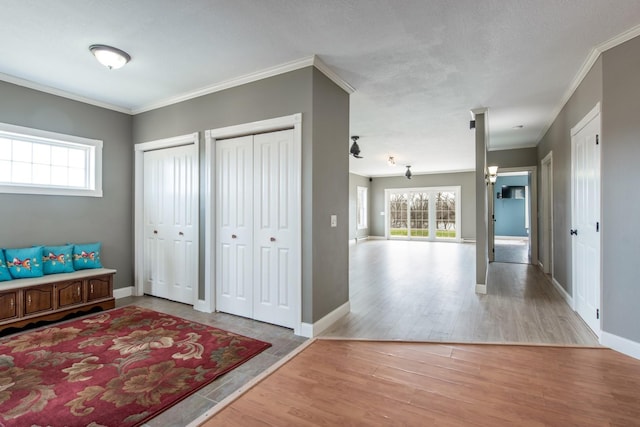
[37, 219]
[620, 181]
[466, 180]
[324, 165]
[514, 158]
[330, 196]
[356, 181]
[481, 188]
[558, 140]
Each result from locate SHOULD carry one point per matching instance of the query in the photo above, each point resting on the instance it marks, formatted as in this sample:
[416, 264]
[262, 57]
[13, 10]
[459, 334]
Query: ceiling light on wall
[355, 149]
[391, 161]
[110, 57]
[408, 172]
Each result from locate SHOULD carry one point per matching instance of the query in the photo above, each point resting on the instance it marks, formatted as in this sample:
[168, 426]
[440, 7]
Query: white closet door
[274, 228]
[234, 225]
[170, 218]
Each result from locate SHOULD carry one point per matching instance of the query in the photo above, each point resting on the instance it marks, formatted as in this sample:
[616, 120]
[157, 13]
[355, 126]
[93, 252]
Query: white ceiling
[417, 67]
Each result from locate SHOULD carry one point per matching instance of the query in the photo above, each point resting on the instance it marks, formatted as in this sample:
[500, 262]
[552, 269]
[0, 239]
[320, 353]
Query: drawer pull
[78, 290]
[29, 300]
[92, 288]
[11, 303]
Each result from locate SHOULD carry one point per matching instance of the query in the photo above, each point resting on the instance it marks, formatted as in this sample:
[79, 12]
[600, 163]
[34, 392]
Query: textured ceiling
[418, 67]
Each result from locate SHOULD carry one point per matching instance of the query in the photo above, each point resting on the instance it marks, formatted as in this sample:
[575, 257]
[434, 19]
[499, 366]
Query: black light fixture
[408, 172]
[355, 150]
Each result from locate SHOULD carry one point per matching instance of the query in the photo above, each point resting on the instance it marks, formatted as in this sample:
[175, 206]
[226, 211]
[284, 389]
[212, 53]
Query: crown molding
[584, 70]
[309, 61]
[58, 92]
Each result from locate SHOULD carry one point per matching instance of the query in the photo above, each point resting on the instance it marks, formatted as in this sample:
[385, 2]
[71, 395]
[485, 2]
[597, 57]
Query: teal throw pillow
[86, 256]
[24, 262]
[57, 259]
[4, 269]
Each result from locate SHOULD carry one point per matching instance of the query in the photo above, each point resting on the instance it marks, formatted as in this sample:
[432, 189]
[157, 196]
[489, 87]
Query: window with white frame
[34, 161]
[361, 208]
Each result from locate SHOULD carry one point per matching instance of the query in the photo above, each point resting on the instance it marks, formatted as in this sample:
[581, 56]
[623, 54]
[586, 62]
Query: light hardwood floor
[425, 291]
[373, 383]
[418, 291]
[512, 250]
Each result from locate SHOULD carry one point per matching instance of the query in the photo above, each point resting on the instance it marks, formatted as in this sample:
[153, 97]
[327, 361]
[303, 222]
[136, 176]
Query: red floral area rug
[116, 368]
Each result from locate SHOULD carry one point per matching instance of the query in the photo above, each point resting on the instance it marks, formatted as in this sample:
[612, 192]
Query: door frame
[533, 207]
[591, 115]
[546, 181]
[138, 239]
[294, 122]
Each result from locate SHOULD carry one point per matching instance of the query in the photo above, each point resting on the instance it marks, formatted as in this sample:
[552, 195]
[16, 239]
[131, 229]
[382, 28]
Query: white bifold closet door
[170, 223]
[255, 216]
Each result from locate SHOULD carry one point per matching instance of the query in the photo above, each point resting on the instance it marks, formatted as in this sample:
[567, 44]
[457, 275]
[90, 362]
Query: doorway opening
[513, 199]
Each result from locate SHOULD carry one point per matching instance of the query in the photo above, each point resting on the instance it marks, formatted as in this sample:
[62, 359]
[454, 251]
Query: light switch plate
[334, 220]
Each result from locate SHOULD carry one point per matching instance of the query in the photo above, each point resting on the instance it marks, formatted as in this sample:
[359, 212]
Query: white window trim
[359, 205]
[457, 189]
[94, 164]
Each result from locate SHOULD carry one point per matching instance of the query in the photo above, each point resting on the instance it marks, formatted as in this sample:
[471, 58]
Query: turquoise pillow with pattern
[86, 256]
[4, 269]
[57, 259]
[24, 262]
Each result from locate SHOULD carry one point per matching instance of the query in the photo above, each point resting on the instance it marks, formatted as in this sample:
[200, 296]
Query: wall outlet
[334, 220]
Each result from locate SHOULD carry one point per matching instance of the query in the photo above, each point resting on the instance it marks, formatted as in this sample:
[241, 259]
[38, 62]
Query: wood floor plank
[391, 383]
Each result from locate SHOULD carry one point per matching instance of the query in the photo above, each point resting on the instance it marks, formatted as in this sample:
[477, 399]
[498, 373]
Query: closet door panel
[234, 225]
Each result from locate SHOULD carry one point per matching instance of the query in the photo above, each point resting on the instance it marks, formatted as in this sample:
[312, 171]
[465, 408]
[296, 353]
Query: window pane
[21, 173]
[5, 149]
[21, 151]
[59, 175]
[5, 171]
[42, 154]
[41, 174]
[77, 178]
[77, 158]
[59, 156]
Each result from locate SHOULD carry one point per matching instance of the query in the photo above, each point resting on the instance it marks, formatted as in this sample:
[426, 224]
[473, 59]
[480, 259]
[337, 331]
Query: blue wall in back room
[510, 213]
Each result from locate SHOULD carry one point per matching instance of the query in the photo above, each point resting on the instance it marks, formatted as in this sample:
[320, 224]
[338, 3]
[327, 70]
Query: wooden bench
[54, 296]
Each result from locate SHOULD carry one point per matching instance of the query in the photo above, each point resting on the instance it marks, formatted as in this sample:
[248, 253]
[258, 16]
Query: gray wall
[620, 181]
[464, 179]
[324, 172]
[558, 140]
[515, 158]
[356, 181]
[482, 233]
[330, 196]
[37, 219]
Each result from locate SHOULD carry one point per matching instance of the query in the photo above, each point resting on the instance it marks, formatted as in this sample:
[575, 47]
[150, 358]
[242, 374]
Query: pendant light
[355, 150]
[408, 172]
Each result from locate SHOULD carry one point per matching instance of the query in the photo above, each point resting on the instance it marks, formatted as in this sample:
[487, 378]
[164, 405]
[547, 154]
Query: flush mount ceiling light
[408, 172]
[110, 57]
[391, 161]
[355, 150]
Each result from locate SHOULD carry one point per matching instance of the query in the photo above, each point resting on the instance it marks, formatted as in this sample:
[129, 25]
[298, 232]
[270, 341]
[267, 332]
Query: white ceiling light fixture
[110, 57]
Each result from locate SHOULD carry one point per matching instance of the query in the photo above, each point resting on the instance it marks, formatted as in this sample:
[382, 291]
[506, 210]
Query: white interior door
[234, 222]
[170, 223]
[586, 219]
[257, 223]
[274, 228]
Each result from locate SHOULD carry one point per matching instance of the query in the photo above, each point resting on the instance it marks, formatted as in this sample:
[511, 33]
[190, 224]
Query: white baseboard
[564, 293]
[310, 330]
[123, 292]
[623, 345]
[481, 288]
[377, 238]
